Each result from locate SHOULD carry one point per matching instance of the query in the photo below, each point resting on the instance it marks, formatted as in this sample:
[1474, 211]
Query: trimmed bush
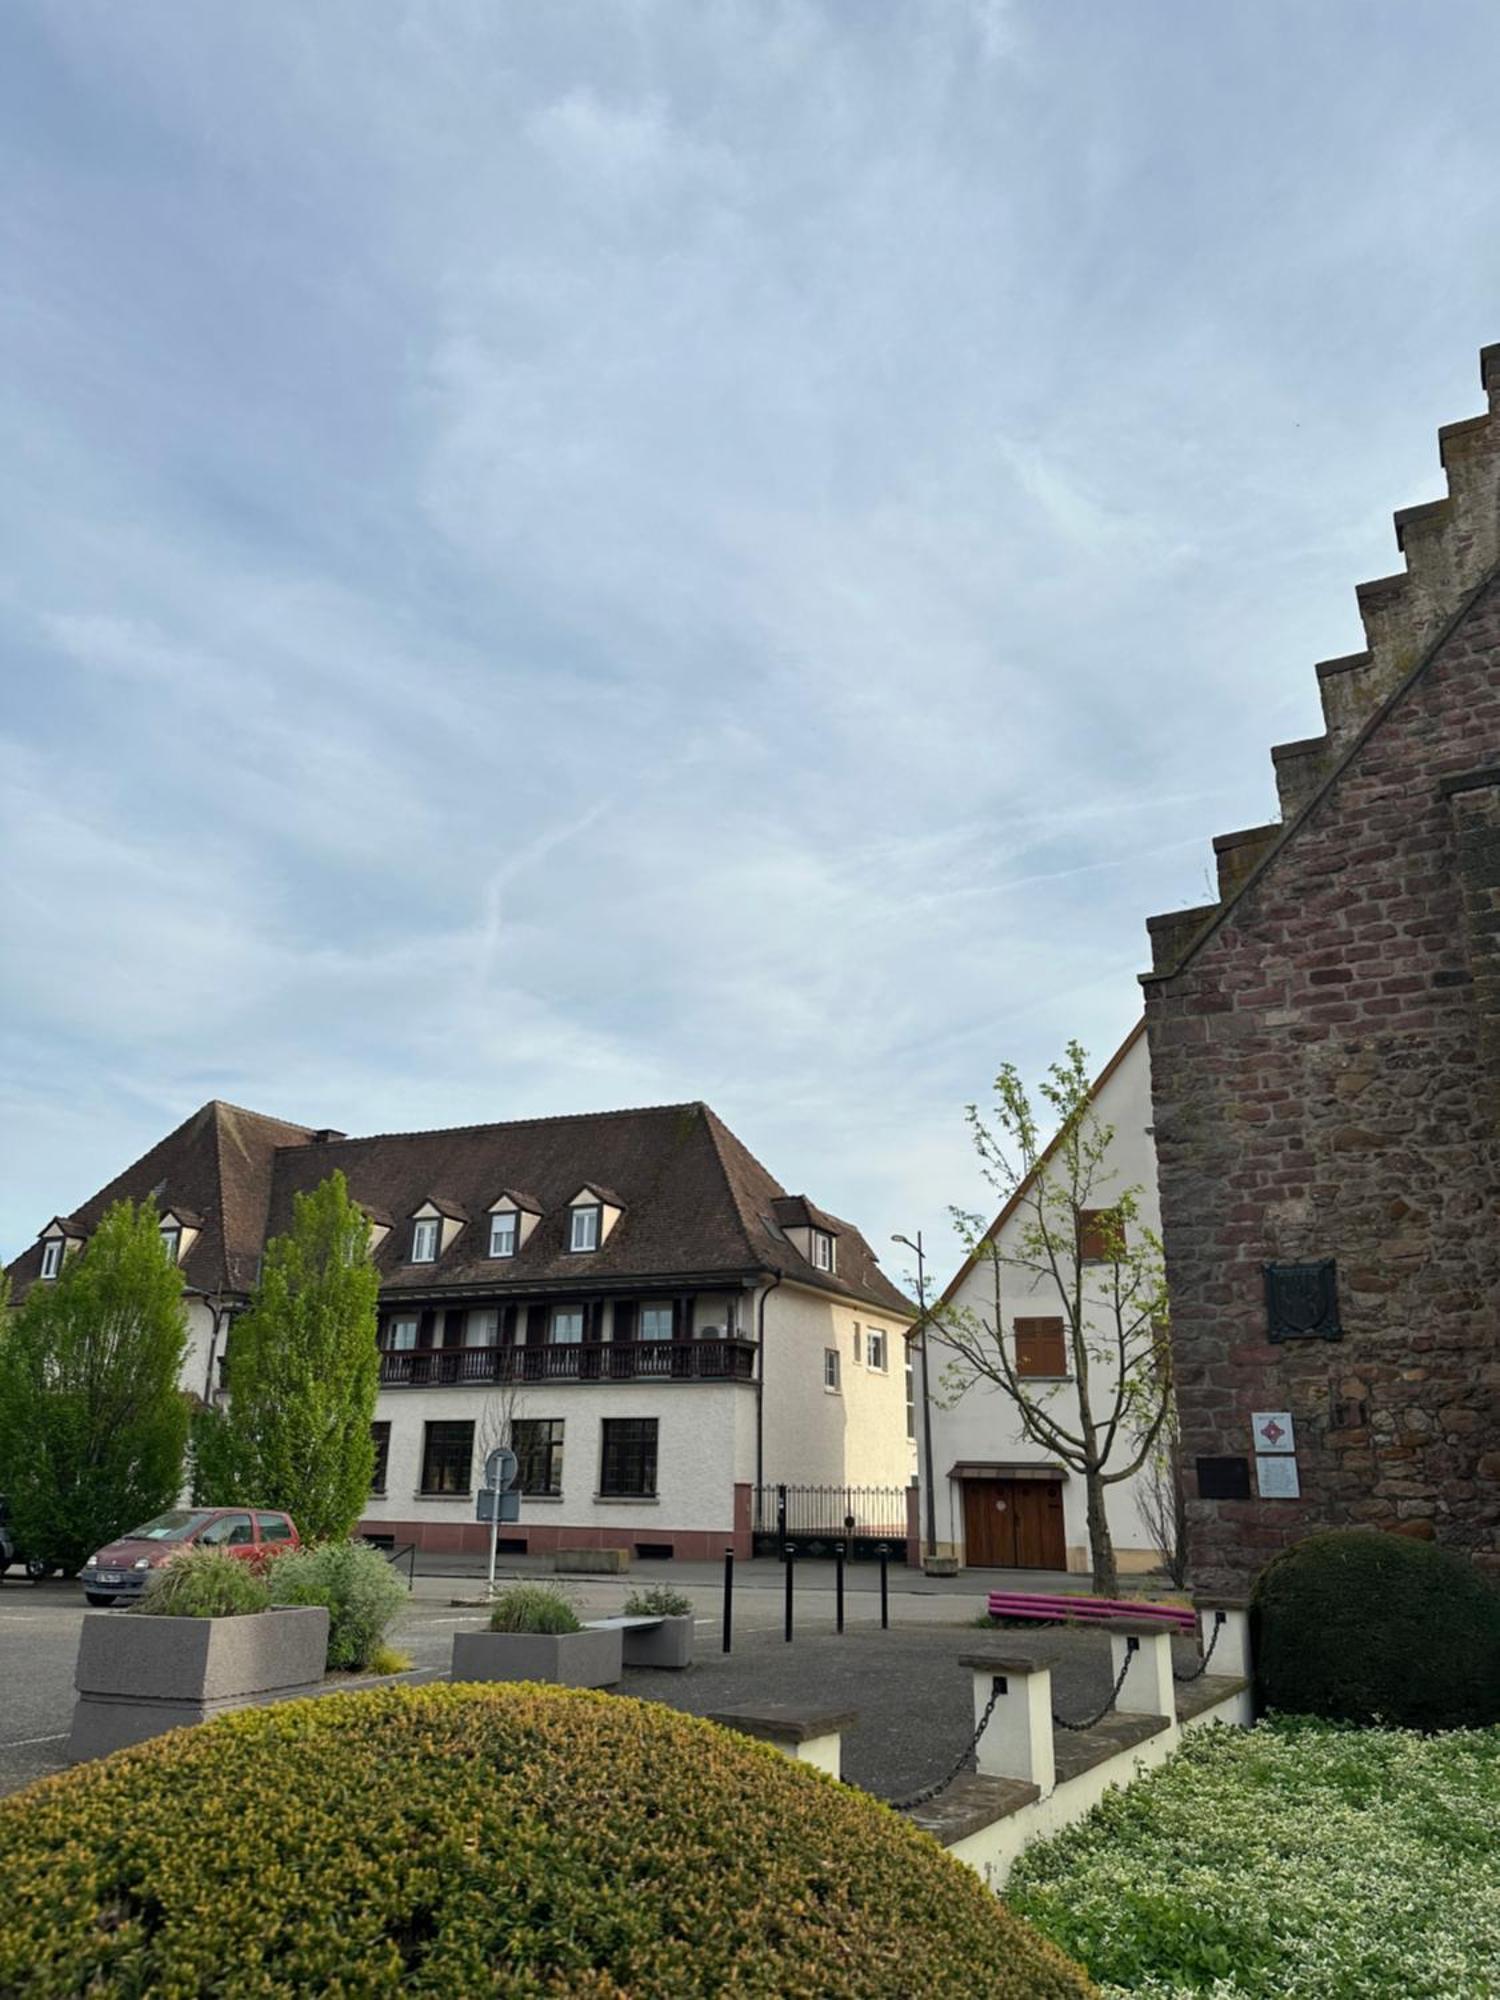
[203, 1583]
[658, 1600]
[533, 1607]
[354, 1581]
[467, 1840]
[1357, 1626]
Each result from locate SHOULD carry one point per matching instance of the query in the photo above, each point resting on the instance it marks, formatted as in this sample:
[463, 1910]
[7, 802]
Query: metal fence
[868, 1520]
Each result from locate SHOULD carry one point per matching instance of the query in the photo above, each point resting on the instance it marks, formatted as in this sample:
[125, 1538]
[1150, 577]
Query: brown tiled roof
[694, 1201]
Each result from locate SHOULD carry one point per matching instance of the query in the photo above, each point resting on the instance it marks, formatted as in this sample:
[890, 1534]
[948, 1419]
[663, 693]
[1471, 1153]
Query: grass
[1296, 1861]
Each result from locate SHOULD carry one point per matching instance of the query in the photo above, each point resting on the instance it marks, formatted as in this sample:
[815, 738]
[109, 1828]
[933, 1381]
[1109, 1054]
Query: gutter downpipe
[760, 1381]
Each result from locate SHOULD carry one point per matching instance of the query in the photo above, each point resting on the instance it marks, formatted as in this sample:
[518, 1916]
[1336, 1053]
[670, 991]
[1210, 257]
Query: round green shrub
[203, 1583]
[358, 1586]
[533, 1607]
[473, 1841]
[1358, 1626]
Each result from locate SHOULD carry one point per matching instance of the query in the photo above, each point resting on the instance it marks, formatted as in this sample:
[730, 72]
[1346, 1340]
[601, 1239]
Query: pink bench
[1089, 1610]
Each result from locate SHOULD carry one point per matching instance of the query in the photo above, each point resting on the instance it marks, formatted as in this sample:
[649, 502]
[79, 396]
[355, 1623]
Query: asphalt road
[912, 1697]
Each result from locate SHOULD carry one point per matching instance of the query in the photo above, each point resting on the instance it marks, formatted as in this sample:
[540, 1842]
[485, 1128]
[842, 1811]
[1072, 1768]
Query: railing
[864, 1519]
[592, 1361]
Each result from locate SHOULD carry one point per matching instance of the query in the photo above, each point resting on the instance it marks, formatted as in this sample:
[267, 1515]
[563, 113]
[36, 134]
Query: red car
[123, 1569]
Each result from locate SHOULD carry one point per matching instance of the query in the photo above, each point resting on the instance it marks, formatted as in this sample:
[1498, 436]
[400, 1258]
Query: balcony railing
[609, 1361]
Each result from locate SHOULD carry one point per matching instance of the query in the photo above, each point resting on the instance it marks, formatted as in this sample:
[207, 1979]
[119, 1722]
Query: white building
[627, 1297]
[1002, 1499]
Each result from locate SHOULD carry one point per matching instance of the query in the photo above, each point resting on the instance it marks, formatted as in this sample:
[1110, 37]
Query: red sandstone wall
[1323, 1069]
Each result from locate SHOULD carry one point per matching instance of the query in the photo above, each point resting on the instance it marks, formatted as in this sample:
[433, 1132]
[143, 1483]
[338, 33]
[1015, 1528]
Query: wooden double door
[1014, 1524]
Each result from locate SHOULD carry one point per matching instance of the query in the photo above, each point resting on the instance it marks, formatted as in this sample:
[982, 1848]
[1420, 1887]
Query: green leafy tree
[302, 1375]
[1079, 1240]
[93, 1423]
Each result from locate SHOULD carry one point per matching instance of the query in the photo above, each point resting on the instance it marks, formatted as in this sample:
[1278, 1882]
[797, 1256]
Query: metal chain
[931, 1791]
[1202, 1666]
[1114, 1695]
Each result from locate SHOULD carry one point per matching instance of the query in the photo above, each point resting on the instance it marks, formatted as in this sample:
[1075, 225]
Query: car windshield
[169, 1527]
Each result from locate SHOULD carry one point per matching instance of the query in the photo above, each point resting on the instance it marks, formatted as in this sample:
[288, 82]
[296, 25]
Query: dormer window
[171, 1240]
[503, 1227]
[584, 1233]
[822, 1250]
[52, 1256]
[424, 1240]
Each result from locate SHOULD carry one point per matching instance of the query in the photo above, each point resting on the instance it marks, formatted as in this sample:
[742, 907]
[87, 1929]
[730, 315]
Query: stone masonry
[1325, 1053]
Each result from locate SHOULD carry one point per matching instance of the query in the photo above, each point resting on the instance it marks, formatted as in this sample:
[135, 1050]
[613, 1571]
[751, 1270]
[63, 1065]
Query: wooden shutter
[453, 1327]
[625, 1319]
[425, 1328]
[1040, 1347]
[536, 1326]
[508, 1326]
[1096, 1228]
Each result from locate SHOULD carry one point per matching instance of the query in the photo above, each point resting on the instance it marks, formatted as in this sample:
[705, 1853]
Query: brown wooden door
[1014, 1524]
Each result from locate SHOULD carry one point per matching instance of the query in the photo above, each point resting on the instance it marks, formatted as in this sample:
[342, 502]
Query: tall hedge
[489, 1840]
[1358, 1626]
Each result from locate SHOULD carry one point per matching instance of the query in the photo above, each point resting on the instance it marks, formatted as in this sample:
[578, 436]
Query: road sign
[500, 1467]
[492, 1505]
[1273, 1430]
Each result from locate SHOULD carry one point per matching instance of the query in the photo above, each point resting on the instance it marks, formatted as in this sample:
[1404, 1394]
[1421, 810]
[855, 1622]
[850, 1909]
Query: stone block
[590, 1658]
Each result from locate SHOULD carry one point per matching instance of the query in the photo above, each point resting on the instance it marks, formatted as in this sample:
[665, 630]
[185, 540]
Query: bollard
[838, 1584]
[788, 1556]
[885, 1592]
[728, 1599]
[1017, 1742]
[1230, 1616]
[1147, 1687]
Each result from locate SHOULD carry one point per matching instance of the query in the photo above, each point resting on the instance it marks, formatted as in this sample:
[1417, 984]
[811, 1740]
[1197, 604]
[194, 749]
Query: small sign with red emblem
[1272, 1430]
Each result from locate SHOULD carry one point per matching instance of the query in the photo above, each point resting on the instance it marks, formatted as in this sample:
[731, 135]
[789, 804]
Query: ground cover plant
[359, 1588]
[203, 1583]
[1296, 1861]
[496, 1840]
[533, 1607]
[658, 1600]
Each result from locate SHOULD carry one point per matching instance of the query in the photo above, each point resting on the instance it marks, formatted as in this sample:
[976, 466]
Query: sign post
[495, 1503]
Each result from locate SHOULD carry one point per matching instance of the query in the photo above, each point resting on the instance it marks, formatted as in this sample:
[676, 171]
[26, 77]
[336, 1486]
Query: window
[656, 1323]
[274, 1527]
[911, 1402]
[831, 1369]
[856, 1346]
[585, 1231]
[447, 1457]
[1100, 1235]
[567, 1325]
[381, 1433]
[403, 1334]
[627, 1460]
[424, 1241]
[822, 1249]
[482, 1328]
[875, 1349]
[538, 1445]
[52, 1256]
[1040, 1349]
[503, 1234]
[171, 1237]
[230, 1531]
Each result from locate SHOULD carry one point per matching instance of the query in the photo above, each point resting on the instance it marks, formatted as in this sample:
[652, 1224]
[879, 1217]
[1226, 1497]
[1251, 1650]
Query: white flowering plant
[1295, 1861]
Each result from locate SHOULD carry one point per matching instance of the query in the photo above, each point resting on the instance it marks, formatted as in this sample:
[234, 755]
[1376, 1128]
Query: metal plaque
[1272, 1430]
[500, 1467]
[1302, 1301]
[1276, 1477]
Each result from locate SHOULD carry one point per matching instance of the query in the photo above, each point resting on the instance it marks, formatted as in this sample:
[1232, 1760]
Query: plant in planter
[668, 1640]
[534, 1634]
[202, 1639]
[357, 1587]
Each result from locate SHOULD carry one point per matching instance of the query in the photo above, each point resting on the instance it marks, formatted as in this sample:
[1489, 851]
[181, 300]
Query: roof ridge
[504, 1124]
[265, 1117]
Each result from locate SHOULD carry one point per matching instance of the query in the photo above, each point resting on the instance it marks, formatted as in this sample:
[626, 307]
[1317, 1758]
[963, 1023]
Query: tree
[93, 1423]
[302, 1374]
[1083, 1240]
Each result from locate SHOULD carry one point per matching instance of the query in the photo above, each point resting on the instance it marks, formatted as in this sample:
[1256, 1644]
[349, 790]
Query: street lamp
[929, 1482]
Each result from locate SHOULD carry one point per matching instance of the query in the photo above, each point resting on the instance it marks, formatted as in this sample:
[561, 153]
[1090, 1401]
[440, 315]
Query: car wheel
[99, 1600]
[37, 1569]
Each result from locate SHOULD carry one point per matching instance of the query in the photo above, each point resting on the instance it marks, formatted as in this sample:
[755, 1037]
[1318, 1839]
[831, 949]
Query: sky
[559, 557]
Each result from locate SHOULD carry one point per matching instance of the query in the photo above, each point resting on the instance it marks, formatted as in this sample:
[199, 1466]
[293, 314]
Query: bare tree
[1082, 1239]
[1161, 1502]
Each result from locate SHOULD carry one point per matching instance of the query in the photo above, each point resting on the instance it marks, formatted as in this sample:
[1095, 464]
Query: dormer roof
[445, 1206]
[514, 1198]
[64, 1225]
[188, 1217]
[795, 1211]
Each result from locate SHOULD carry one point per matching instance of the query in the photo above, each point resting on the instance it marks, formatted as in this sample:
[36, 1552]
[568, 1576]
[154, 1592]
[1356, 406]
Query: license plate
[111, 1576]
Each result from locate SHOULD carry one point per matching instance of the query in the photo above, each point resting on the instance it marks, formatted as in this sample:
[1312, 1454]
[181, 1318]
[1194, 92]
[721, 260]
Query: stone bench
[650, 1641]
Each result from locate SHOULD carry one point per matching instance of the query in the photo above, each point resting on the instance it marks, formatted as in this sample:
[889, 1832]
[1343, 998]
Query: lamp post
[929, 1482]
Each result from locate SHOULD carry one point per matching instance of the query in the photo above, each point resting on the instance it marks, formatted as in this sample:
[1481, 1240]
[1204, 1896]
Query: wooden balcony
[609, 1361]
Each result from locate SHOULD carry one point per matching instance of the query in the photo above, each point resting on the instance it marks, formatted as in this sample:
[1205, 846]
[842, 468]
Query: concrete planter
[670, 1645]
[591, 1562]
[587, 1659]
[137, 1677]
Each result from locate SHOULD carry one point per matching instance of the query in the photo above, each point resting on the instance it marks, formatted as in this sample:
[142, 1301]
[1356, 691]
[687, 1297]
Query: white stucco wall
[983, 1424]
[814, 1436]
[194, 1376]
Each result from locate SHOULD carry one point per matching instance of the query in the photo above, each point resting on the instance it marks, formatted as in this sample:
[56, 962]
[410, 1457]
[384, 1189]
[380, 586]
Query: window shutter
[536, 1325]
[1096, 1226]
[453, 1327]
[626, 1320]
[682, 1318]
[1040, 1347]
[425, 1328]
[508, 1326]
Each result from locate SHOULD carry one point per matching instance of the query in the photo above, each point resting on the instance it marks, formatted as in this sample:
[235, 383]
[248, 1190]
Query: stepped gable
[1451, 547]
[216, 1166]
